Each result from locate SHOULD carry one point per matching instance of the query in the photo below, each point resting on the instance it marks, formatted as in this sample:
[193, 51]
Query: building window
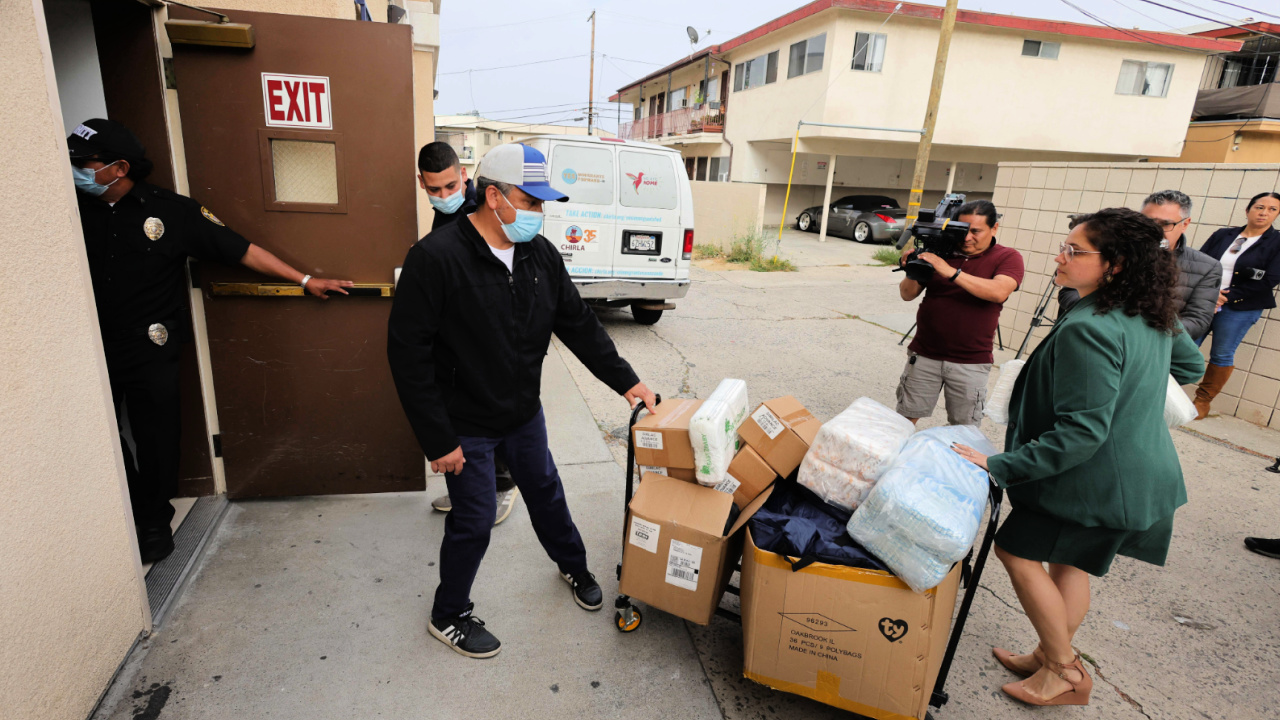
[1040, 49]
[488, 140]
[868, 51]
[806, 56]
[718, 169]
[756, 72]
[678, 99]
[701, 173]
[1144, 78]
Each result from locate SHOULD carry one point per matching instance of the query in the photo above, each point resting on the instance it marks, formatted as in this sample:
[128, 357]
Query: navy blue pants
[475, 507]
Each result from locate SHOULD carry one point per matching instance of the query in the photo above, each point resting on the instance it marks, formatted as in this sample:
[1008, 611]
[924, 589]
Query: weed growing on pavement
[746, 248]
[887, 255]
[707, 252]
[772, 264]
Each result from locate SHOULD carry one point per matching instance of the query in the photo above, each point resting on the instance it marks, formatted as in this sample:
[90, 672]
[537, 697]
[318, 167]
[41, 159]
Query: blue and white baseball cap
[522, 166]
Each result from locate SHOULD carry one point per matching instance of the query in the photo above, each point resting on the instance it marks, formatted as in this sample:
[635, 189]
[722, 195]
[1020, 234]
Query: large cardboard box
[747, 477]
[781, 430]
[662, 438]
[860, 640]
[678, 556]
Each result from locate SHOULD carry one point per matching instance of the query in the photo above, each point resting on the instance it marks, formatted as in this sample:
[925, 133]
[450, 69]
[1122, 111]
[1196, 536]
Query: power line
[522, 23]
[642, 62]
[1131, 34]
[1209, 19]
[1248, 9]
[508, 67]
[1153, 18]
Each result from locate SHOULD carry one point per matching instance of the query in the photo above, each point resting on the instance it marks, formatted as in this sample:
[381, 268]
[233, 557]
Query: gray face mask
[86, 179]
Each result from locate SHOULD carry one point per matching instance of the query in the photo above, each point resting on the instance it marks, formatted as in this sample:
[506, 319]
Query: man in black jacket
[472, 320]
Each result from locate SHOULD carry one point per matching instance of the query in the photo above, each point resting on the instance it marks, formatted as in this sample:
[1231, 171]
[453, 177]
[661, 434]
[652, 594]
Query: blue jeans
[475, 507]
[1228, 329]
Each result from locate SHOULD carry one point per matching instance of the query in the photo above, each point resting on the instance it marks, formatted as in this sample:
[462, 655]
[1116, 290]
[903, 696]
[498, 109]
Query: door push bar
[289, 290]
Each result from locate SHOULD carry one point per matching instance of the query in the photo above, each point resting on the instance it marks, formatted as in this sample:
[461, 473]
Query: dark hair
[985, 208]
[139, 168]
[1171, 197]
[483, 183]
[1258, 197]
[437, 157]
[1148, 276]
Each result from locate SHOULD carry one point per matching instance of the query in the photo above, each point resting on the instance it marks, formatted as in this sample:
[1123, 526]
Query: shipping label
[646, 469]
[729, 484]
[644, 534]
[768, 422]
[683, 563]
[649, 440]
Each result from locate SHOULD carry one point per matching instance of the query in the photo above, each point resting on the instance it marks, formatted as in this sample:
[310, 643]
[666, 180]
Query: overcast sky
[634, 39]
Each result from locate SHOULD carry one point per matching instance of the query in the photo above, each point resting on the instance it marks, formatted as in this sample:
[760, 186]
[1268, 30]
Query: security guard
[138, 238]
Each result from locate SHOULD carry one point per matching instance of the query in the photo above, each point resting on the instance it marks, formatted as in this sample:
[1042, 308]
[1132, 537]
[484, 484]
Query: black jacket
[468, 206]
[1257, 270]
[1196, 295]
[467, 338]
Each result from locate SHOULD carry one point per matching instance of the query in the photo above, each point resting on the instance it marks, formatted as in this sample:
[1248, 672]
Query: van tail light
[887, 219]
[688, 244]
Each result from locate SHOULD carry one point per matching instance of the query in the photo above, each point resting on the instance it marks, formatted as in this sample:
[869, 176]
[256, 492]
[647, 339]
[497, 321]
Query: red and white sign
[296, 101]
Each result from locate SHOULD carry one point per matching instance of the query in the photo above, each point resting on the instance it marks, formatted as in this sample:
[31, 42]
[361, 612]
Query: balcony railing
[677, 122]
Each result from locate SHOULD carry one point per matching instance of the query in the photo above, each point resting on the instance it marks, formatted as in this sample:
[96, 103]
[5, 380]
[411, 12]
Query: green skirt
[1033, 536]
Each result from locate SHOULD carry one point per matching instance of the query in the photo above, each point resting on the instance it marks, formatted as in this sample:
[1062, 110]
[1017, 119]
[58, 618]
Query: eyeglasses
[1071, 252]
[1169, 224]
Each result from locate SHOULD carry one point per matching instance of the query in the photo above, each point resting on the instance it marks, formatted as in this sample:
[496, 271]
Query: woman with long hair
[1089, 465]
[1250, 258]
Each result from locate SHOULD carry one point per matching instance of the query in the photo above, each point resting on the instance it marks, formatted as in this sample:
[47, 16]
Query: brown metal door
[305, 399]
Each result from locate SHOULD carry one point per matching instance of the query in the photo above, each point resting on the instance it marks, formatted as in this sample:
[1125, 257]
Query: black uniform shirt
[137, 252]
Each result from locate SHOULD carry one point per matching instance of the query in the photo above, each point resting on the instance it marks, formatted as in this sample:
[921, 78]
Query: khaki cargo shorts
[965, 386]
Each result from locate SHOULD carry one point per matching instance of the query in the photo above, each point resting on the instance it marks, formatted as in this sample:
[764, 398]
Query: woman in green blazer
[1089, 465]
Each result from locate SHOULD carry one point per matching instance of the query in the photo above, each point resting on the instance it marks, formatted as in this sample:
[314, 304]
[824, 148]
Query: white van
[626, 233]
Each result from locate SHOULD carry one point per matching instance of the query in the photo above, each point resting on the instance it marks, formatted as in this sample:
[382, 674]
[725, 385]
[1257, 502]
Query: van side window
[648, 180]
[585, 174]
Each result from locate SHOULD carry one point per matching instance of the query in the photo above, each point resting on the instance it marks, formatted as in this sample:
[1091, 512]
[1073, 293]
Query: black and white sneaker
[466, 635]
[586, 591]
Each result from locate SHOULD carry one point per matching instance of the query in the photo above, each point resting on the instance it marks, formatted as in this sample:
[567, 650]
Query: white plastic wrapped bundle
[998, 402]
[852, 451]
[923, 514]
[1178, 408]
[713, 430]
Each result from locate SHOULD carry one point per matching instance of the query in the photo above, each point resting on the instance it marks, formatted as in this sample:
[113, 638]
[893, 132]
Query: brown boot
[1215, 376]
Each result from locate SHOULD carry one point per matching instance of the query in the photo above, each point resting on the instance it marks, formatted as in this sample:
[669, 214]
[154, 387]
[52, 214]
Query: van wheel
[644, 316]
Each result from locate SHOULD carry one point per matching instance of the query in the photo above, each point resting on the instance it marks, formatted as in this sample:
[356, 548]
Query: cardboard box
[662, 438]
[678, 557]
[748, 476]
[781, 430]
[859, 640]
[686, 474]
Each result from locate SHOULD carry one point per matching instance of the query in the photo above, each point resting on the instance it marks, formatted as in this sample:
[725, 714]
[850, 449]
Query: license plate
[643, 243]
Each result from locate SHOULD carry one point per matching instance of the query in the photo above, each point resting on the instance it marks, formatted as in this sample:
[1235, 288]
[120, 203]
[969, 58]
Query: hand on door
[641, 393]
[320, 286]
[451, 463]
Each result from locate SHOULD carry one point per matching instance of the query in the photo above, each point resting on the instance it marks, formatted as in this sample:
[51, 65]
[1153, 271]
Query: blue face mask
[448, 205]
[86, 180]
[526, 226]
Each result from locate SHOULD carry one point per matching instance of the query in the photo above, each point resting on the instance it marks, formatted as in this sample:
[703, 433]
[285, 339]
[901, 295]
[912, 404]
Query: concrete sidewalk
[316, 607]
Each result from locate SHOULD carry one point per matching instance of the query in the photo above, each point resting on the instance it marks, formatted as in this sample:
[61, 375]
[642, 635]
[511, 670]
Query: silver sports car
[865, 218]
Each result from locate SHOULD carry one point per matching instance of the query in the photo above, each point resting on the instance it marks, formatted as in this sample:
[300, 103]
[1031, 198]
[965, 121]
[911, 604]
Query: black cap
[99, 136]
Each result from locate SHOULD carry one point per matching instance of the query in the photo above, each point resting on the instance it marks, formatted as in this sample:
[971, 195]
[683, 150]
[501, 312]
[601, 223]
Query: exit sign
[296, 101]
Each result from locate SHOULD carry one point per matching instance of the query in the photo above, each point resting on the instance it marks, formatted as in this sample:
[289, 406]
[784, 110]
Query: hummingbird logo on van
[637, 179]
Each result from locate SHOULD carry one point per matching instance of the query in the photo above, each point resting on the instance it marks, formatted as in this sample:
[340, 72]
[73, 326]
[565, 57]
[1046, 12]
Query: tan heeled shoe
[1077, 695]
[1006, 659]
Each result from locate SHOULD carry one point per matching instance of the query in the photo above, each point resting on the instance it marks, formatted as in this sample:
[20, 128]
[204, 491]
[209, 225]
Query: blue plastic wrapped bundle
[923, 514]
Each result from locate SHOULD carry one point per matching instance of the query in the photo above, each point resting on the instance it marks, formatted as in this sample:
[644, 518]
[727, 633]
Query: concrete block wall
[723, 211]
[1036, 199]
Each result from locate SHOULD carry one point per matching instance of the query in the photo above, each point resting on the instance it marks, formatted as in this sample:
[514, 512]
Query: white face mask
[527, 225]
[86, 179]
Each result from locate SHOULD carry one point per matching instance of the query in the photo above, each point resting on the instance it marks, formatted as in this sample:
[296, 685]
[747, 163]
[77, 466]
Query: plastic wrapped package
[998, 402]
[1178, 408]
[713, 430]
[924, 512]
[852, 451]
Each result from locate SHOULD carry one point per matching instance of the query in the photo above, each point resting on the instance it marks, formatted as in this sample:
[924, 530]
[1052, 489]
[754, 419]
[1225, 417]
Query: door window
[648, 180]
[585, 174]
[305, 172]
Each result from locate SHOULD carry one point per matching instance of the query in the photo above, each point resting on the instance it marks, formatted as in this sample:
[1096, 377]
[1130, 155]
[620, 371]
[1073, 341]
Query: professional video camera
[939, 234]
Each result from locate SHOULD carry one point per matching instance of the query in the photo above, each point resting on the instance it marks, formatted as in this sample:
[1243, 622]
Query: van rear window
[585, 174]
[648, 180]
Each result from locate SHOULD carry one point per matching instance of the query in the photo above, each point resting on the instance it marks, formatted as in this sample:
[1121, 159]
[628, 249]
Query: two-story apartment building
[1016, 89]
[472, 135]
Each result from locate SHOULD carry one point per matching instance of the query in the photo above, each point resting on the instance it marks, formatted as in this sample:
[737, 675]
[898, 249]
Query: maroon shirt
[955, 326]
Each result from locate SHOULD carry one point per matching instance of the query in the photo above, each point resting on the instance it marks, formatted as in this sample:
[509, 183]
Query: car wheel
[862, 232]
[805, 222]
[644, 316]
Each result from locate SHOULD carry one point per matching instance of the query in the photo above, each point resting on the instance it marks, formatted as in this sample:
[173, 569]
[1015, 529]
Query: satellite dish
[693, 34]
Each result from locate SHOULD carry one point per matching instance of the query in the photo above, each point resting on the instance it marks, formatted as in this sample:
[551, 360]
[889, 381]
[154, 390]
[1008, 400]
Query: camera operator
[956, 323]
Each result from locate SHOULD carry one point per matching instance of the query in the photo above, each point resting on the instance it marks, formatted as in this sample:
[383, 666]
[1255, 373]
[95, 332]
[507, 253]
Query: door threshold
[165, 578]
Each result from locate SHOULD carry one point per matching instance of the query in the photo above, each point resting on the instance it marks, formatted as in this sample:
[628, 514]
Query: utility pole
[591, 91]
[931, 115]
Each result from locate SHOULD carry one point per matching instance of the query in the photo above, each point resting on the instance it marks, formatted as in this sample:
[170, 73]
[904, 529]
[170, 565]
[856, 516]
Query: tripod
[1038, 318]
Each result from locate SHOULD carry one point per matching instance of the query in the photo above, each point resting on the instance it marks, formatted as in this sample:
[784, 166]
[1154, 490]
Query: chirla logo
[573, 234]
[569, 176]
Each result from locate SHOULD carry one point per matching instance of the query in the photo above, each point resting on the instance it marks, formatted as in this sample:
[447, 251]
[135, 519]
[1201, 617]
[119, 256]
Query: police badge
[158, 333]
[210, 216]
[153, 228]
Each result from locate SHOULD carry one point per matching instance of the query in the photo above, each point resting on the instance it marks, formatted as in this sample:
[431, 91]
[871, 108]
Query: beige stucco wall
[71, 595]
[1036, 198]
[723, 211]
